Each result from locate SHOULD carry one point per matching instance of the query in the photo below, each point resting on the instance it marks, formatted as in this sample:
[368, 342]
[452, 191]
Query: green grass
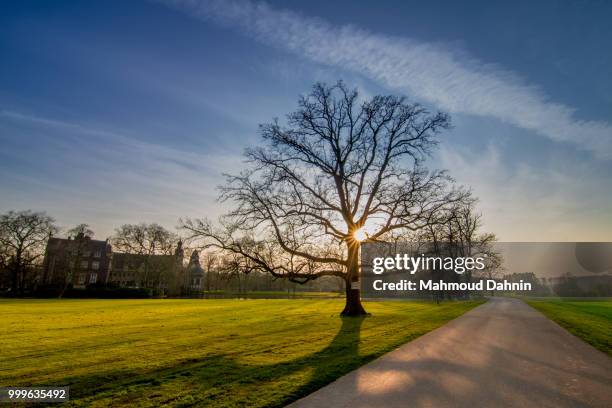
[222, 353]
[268, 294]
[591, 320]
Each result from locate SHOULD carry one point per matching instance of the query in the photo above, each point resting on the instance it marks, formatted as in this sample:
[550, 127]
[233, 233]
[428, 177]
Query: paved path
[501, 354]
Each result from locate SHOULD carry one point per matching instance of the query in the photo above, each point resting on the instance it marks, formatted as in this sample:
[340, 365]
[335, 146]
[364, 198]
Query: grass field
[268, 295]
[199, 352]
[591, 320]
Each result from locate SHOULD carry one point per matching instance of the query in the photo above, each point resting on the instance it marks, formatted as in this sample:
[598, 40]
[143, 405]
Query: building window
[93, 278]
[97, 254]
[95, 265]
[84, 264]
[82, 278]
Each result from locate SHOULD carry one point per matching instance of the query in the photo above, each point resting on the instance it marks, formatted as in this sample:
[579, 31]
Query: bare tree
[461, 236]
[494, 266]
[23, 235]
[210, 262]
[147, 240]
[341, 167]
[232, 267]
[462, 230]
[80, 230]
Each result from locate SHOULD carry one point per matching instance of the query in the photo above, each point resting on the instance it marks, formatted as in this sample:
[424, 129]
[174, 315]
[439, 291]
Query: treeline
[563, 286]
[23, 240]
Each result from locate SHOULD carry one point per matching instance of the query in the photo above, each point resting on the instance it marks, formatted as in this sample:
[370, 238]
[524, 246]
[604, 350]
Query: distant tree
[234, 268]
[23, 236]
[210, 262]
[5, 278]
[465, 232]
[147, 240]
[461, 235]
[340, 165]
[80, 230]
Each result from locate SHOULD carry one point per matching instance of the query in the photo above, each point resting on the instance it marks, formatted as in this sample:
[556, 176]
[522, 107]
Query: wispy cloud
[526, 202]
[120, 143]
[430, 72]
[82, 173]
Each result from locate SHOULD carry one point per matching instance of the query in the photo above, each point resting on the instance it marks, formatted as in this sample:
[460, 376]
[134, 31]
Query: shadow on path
[501, 354]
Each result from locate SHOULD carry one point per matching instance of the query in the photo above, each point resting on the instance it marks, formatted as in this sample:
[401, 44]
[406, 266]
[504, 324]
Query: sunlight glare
[360, 234]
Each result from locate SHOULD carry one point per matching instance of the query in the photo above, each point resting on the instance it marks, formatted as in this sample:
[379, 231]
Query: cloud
[429, 72]
[123, 145]
[526, 202]
[81, 173]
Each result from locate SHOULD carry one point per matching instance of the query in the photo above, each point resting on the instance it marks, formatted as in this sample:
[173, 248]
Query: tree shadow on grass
[213, 379]
[222, 380]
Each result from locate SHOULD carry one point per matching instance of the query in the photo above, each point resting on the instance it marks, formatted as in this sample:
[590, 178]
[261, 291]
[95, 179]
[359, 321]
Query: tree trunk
[22, 281]
[14, 280]
[353, 305]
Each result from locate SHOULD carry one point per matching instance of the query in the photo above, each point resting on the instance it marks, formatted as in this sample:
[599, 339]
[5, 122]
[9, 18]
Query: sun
[360, 234]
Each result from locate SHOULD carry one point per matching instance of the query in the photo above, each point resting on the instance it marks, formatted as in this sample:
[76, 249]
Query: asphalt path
[500, 354]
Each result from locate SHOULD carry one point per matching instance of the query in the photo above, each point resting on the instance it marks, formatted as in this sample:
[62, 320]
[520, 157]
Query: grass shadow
[216, 376]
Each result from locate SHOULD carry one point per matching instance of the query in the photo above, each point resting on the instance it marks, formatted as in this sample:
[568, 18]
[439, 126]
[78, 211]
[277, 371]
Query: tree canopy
[340, 170]
[23, 236]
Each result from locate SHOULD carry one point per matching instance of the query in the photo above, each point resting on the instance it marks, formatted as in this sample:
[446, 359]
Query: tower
[195, 273]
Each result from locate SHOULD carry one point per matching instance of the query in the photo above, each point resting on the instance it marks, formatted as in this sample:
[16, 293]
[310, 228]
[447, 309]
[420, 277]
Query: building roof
[194, 268]
[55, 244]
[120, 259]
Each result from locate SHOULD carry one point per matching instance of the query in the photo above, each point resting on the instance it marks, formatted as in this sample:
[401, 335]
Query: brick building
[140, 270]
[82, 261]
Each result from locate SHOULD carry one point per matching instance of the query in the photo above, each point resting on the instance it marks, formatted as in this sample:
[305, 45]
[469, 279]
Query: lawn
[591, 320]
[200, 352]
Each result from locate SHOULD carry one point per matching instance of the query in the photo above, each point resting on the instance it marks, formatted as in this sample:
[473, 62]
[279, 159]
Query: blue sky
[115, 112]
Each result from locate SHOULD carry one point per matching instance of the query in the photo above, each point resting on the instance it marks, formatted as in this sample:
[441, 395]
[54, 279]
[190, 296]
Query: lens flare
[360, 234]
